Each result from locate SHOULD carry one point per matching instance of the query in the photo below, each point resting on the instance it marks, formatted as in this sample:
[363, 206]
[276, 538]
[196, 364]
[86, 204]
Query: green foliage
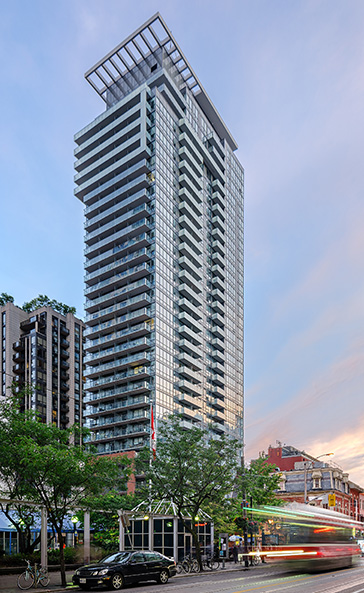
[5, 298]
[39, 463]
[193, 468]
[70, 556]
[44, 301]
[259, 482]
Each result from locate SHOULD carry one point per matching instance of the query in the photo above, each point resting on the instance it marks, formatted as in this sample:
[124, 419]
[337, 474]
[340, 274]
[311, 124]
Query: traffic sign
[332, 500]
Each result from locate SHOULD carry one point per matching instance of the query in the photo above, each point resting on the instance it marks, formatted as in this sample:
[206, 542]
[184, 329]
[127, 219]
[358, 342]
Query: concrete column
[175, 538]
[43, 538]
[86, 538]
[121, 533]
[151, 532]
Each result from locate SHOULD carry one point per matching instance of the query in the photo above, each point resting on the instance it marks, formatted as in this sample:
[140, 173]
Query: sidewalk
[8, 582]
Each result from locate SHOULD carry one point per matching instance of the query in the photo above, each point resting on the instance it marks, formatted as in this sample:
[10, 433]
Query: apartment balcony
[187, 171]
[143, 225]
[64, 343]
[64, 376]
[64, 386]
[18, 369]
[131, 289]
[192, 213]
[187, 264]
[185, 183]
[184, 398]
[187, 251]
[217, 198]
[218, 295]
[217, 186]
[186, 332]
[218, 247]
[218, 356]
[190, 308]
[217, 235]
[186, 237]
[101, 231]
[64, 353]
[217, 415]
[192, 349]
[217, 283]
[116, 280]
[129, 403]
[19, 356]
[63, 330]
[218, 319]
[117, 419]
[187, 412]
[128, 347]
[119, 265]
[137, 359]
[135, 388]
[139, 315]
[187, 278]
[186, 385]
[218, 368]
[193, 198]
[218, 380]
[217, 307]
[218, 391]
[64, 397]
[130, 304]
[192, 226]
[217, 223]
[186, 319]
[218, 344]
[28, 324]
[194, 363]
[185, 292]
[18, 346]
[218, 271]
[122, 249]
[118, 378]
[217, 210]
[218, 332]
[189, 374]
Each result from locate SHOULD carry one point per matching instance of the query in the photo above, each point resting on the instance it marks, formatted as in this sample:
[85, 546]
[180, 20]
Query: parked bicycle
[33, 577]
[188, 564]
[210, 563]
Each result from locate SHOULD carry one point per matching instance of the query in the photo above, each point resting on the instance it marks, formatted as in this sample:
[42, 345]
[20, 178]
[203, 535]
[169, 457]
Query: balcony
[218, 380]
[192, 226]
[218, 343]
[217, 223]
[217, 319]
[194, 363]
[217, 258]
[18, 346]
[195, 256]
[186, 237]
[217, 415]
[218, 271]
[189, 374]
[187, 278]
[190, 348]
[63, 353]
[63, 330]
[218, 247]
[218, 332]
[137, 359]
[186, 319]
[186, 385]
[187, 171]
[217, 186]
[217, 307]
[192, 213]
[129, 347]
[218, 295]
[190, 307]
[186, 332]
[218, 367]
[188, 264]
[110, 394]
[128, 403]
[184, 398]
[218, 356]
[217, 210]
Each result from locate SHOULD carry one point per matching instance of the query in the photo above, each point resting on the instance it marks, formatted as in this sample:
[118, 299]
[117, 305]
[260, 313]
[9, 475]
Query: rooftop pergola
[154, 35]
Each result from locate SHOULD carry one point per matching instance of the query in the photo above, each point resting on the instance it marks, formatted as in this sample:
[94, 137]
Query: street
[261, 579]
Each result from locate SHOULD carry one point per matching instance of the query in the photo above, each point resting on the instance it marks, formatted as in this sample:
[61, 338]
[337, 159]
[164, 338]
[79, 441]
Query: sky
[287, 78]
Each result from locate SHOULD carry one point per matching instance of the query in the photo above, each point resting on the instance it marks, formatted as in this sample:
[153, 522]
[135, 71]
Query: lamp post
[305, 475]
[74, 520]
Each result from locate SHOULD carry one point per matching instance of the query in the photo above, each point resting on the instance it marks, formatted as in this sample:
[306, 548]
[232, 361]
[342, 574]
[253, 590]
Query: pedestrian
[235, 553]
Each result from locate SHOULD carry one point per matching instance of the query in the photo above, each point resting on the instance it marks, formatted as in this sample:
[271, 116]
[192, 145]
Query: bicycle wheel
[195, 567]
[44, 579]
[179, 568]
[215, 564]
[186, 566]
[25, 580]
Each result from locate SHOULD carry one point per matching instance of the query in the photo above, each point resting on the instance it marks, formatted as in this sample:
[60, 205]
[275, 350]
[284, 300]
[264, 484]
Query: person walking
[235, 553]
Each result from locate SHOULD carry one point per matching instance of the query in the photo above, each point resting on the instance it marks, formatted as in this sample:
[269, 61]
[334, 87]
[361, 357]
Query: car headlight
[103, 571]
[94, 573]
[77, 572]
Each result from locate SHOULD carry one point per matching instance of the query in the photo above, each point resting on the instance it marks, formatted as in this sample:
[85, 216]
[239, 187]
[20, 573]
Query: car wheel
[163, 577]
[117, 581]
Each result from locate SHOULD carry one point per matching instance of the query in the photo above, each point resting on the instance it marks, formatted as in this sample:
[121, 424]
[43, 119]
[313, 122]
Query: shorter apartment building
[319, 482]
[44, 349]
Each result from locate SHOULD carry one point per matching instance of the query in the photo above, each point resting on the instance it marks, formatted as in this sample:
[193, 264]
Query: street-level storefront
[157, 527]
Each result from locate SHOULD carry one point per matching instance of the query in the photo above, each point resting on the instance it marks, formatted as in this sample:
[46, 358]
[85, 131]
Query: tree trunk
[61, 558]
[197, 547]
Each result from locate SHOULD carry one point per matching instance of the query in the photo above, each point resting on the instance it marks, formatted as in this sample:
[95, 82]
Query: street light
[74, 520]
[305, 476]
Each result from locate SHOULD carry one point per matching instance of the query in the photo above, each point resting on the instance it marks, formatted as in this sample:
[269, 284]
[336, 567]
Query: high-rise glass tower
[163, 195]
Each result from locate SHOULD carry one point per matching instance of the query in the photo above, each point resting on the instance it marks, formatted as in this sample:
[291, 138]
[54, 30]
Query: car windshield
[118, 557]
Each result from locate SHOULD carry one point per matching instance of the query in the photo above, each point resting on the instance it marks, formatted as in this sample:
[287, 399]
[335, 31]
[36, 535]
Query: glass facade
[163, 196]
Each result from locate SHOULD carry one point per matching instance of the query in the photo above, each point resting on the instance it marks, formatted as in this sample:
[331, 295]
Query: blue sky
[287, 77]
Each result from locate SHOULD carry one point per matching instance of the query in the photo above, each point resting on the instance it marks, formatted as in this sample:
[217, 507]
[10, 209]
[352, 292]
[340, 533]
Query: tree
[192, 468]
[259, 482]
[38, 463]
[5, 298]
[44, 301]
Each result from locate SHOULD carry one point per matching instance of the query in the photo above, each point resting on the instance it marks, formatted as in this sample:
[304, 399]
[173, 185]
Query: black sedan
[119, 569]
